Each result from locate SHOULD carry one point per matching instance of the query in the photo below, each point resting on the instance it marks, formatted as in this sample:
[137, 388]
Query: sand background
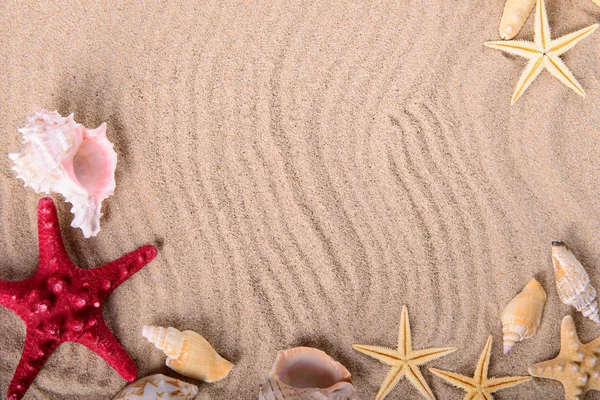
[305, 169]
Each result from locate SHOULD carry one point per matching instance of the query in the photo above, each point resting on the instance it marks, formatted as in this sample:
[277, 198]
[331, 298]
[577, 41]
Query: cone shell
[304, 373]
[158, 387]
[188, 353]
[61, 156]
[522, 315]
[514, 16]
[573, 283]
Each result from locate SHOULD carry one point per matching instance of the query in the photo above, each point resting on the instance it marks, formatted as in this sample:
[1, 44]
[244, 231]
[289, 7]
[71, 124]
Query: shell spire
[522, 315]
[188, 353]
[573, 283]
[514, 16]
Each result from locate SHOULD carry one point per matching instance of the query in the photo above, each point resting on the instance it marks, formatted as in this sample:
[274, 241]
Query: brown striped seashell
[305, 373]
[522, 315]
[158, 386]
[573, 282]
[188, 353]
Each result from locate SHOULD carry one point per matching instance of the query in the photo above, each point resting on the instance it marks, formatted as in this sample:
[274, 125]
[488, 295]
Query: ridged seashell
[522, 315]
[304, 373]
[188, 353]
[514, 16]
[573, 282]
[61, 156]
[158, 386]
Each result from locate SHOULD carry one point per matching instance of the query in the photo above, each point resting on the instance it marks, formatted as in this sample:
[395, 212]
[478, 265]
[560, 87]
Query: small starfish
[479, 387]
[62, 303]
[543, 53]
[404, 361]
[576, 366]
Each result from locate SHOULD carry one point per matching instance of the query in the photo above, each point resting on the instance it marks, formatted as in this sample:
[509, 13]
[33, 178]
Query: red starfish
[62, 303]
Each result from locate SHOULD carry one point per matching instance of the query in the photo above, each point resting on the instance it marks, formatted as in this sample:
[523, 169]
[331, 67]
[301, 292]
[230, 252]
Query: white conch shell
[573, 283]
[304, 373]
[61, 156]
[522, 315]
[188, 353]
[158, 387]
[514, 16]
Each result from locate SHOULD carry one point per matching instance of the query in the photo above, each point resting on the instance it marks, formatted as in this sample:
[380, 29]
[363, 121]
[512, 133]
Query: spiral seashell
[61, 156]
[573, 282]
[522, 315]
[158, 386]
[304, 373]
[514, 16]
[188, 353]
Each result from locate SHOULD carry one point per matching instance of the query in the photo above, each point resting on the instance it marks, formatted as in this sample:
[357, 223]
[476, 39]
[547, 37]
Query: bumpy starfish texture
[576, 366]
[480, 387]
[62, 303]
[544, 53]
[404, 361]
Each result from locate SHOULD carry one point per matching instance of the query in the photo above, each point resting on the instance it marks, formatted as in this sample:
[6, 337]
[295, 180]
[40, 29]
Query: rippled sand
[305, 170]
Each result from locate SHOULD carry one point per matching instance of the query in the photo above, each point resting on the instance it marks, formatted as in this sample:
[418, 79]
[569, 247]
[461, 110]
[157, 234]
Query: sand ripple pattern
[305, 168]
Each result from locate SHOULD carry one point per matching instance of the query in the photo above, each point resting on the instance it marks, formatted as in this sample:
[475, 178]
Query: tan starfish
[576, 366]
[543, 53]
[405, 361]
[480, 387]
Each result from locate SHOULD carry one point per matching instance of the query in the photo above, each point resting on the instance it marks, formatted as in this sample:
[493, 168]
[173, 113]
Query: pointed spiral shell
[522, 315]
[573, 283]
[514, 16]
[188, 353]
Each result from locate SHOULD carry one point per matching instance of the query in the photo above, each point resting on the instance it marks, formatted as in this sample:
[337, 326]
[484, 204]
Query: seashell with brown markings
[188, 353]
[573, 283]
[305, 373]
[522, 315]
[158, 387]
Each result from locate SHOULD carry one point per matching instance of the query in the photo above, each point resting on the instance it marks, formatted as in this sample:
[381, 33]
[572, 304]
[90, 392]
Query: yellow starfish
[543, 53]
[576, 366]
[480, 387]
[405, 361]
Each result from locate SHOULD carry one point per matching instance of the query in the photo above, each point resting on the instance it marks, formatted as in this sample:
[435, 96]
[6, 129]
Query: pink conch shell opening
[305, 373]
[61, 156]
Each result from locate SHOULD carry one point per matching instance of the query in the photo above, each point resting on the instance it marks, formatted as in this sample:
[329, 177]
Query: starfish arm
[8, 294]
[404, 337]
[460, 381]
[50, 244]
[415, 377]
[561, 72]
[568, 335]
[421, 357]
[481, 372]
[545, 369]
[531, 71]
[567, 42]
[35, 353]
[111, 275]
[390, 382]
[541, 25]
[520, 48]
[101, 341]
[383, 354]
[495, 384]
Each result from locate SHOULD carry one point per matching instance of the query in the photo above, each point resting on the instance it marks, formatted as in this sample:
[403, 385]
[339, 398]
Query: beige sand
[305, 170]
